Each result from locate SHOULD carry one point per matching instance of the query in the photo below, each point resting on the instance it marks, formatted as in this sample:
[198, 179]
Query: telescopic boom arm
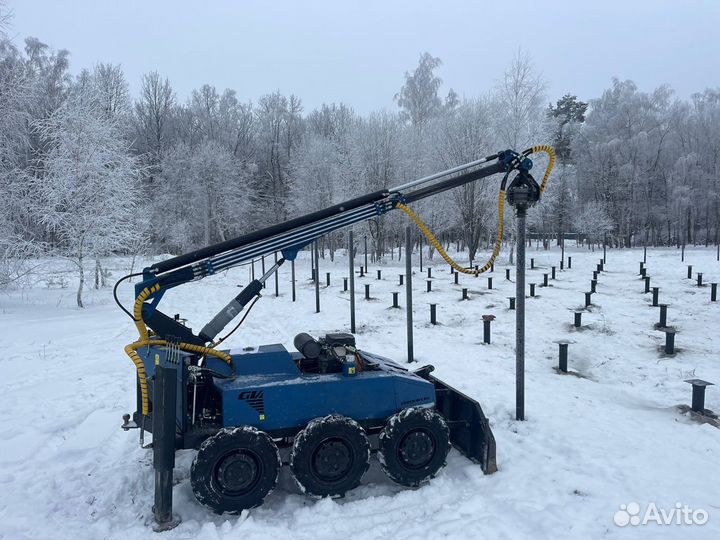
[293, 235]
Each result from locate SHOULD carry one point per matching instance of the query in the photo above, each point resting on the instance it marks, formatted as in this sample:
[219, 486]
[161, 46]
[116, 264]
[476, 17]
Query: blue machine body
[267, 389]
[271, 393]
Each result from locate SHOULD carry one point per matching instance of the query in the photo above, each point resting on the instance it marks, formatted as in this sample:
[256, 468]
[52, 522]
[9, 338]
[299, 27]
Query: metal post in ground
[433, 313]
[669, 341]
[562, 361]
[351, 264]
[662, 323]
[292, 278]
[277, 279]
[487, 320]
[420, 243]
[689, 274]
[163, 428]
[655, 293]
[698, 394]
[263, 268]
[366, 253]
[317, 278]
[520, 316]
[713, 292]
[408, 293]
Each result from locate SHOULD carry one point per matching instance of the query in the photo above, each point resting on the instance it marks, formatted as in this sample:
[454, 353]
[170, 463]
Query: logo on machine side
[254, 398]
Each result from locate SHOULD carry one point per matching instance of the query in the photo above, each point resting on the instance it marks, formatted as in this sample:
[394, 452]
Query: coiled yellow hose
[550, 151]
[501, 218]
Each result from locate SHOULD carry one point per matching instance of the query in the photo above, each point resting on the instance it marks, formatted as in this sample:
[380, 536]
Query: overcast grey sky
[357, 51]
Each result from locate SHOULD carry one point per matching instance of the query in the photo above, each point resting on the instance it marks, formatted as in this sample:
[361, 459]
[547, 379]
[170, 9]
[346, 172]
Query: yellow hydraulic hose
[436, 243]
[501, 213]
[131, 349]
[550, 151]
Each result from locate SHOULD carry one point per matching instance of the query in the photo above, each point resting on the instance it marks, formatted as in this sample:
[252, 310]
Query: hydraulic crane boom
[291, 236]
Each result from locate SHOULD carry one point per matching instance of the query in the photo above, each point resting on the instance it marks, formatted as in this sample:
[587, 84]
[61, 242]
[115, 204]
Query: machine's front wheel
[413, 445]
[235, 469]
[330, 456]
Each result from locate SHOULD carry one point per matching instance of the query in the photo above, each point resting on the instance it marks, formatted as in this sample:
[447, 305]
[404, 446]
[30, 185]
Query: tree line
[88, 170]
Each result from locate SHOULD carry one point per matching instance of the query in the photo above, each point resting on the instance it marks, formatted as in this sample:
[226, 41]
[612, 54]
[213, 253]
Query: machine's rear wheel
[330, 456]
[235, 469]
[414, 445]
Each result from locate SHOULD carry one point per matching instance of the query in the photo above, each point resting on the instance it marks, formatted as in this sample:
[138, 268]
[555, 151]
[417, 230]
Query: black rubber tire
[235, 469]
[330, 456]
[413, 446]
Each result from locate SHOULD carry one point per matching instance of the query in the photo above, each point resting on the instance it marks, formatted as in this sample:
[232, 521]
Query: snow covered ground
[609, 436]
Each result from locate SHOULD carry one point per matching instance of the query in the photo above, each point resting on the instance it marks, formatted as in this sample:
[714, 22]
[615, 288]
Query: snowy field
[607, 436]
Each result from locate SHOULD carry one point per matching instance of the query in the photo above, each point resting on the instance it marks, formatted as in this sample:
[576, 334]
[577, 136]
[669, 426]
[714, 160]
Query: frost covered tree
[460, 138]
[418, 98]
[518, 104]
[593, 222]
[88, 192]
[624, 155]
[152, 113]
[280, 129]
[201, 197]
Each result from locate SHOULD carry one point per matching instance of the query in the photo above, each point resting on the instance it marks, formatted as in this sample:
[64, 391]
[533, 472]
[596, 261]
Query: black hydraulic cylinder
[229, 312]
[163, 426]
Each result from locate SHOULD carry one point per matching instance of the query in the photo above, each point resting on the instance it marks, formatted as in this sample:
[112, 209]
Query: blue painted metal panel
[270, 399]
